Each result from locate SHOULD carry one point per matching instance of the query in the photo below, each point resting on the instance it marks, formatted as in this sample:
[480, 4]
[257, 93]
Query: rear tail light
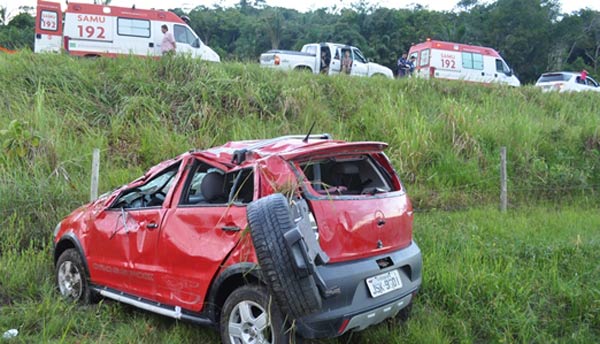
[277, 60]
[343, 326]
[432, 72]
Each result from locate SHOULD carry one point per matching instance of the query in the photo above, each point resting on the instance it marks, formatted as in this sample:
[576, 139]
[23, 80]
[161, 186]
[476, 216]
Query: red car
[320, 226]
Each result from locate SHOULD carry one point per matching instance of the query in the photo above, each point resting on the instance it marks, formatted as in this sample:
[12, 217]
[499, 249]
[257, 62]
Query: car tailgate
[363, 226]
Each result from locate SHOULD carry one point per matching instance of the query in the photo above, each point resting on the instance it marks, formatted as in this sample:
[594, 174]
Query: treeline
[533, 35]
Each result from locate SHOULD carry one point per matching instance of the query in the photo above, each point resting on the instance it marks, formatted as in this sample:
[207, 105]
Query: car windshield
[554, 77]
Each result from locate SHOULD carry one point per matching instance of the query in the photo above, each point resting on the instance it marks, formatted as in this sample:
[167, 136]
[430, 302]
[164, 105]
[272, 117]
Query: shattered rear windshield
[358, 175]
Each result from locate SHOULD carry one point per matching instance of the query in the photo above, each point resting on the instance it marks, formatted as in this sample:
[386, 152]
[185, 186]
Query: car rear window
[554, 77]
[347, 176]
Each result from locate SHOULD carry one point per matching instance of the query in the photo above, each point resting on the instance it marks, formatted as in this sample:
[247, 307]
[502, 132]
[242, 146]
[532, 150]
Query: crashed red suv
[321, 227]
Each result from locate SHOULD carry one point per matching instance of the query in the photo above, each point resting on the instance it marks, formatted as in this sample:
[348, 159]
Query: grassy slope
[525, 277]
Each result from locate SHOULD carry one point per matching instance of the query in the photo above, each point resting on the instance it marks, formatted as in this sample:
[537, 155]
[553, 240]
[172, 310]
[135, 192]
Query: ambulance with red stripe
[455, 61]
[92, 30]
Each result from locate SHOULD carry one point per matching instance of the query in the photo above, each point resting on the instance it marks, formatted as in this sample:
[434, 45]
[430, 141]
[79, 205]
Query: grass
[526, 276]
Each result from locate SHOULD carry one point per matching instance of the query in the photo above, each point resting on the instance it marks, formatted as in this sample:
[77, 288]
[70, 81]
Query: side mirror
[509, 72]
[196, 43]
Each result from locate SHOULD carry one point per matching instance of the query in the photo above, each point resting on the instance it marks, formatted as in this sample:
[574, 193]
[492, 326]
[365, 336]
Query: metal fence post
[503, 177]
[95, 173]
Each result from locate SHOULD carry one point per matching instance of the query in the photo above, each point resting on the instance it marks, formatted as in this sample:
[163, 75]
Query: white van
[455, 61]
[100, 30]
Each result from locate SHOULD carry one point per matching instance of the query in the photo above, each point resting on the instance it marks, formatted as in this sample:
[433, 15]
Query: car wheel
[269, 219]
[71, 277]
[250, 316]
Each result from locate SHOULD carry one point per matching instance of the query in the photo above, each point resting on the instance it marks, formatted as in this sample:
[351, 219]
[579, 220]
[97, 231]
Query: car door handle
[152, 225]
[231, 228]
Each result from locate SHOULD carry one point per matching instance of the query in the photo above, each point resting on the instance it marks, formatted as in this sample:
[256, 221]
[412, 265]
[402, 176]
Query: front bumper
[354, 308]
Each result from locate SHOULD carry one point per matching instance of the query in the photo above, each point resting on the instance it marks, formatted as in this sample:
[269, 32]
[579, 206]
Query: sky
[568, 6]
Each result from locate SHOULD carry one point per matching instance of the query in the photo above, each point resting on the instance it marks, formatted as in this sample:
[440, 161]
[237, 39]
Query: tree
[530, 34]
[19, 32]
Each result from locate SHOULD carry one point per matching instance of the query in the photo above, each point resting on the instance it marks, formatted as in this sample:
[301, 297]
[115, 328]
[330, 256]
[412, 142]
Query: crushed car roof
[241, 153]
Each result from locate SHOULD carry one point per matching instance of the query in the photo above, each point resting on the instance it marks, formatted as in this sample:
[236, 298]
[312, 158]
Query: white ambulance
[99, 30]
[455, 61]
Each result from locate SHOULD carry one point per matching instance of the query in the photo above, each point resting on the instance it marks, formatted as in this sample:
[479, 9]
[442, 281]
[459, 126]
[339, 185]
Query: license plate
[384, 283]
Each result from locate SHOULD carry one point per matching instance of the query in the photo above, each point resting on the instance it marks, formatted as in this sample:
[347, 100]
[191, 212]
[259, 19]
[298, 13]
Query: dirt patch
[592, 143]
[4, 300]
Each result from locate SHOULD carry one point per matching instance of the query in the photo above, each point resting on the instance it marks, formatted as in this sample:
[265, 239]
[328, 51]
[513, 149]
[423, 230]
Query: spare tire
[269, 219]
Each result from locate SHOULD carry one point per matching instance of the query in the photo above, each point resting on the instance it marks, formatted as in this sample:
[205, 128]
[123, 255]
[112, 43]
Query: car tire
[269, 219]
[71, 278]
[250, 316]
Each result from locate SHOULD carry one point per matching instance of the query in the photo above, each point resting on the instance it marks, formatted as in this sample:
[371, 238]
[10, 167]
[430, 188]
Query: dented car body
[182, 240]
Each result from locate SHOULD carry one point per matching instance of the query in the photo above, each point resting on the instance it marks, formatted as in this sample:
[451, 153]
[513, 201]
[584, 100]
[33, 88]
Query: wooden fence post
[503, 177]
[95, 173]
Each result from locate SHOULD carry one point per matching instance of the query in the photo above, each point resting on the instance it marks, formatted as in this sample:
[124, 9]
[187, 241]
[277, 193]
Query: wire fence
[485, 190]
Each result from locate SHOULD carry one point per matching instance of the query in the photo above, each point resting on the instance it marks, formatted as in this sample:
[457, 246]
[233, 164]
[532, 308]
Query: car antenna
[309, 131]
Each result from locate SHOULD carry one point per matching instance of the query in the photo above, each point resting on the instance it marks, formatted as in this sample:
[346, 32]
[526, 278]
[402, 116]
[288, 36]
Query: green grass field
[528, 276]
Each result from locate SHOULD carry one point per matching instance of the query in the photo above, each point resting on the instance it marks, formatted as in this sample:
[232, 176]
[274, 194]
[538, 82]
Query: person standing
[412, 63]
[402, 65]
[168, 45]
[325, 60]
[347, 62]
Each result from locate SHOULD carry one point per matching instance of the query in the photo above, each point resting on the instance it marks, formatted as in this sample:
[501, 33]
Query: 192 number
[91, 32]
[49, 24]
[447, 63]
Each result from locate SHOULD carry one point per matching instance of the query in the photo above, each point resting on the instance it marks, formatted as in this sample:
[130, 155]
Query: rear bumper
[354, 308]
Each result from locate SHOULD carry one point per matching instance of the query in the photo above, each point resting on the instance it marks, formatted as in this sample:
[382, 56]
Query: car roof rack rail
[239, 156]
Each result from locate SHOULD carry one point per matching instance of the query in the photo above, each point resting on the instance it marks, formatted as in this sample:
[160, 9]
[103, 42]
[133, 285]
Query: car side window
[210, 185]
[472, 61]
[151, 193]
[499, 66]
[358, 56]
[591, 82]
[424, 58]
[183, 34]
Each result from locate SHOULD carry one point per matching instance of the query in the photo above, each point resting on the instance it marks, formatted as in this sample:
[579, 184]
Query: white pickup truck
[325, 58]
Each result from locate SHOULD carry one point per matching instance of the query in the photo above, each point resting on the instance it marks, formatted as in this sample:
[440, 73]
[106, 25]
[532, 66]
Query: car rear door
[201, 231]
[358, 202]
[592, 84]
[336, 63]
[48, 27]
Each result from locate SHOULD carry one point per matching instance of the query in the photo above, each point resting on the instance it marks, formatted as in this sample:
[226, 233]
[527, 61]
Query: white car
[566, 82]
[324, 58]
